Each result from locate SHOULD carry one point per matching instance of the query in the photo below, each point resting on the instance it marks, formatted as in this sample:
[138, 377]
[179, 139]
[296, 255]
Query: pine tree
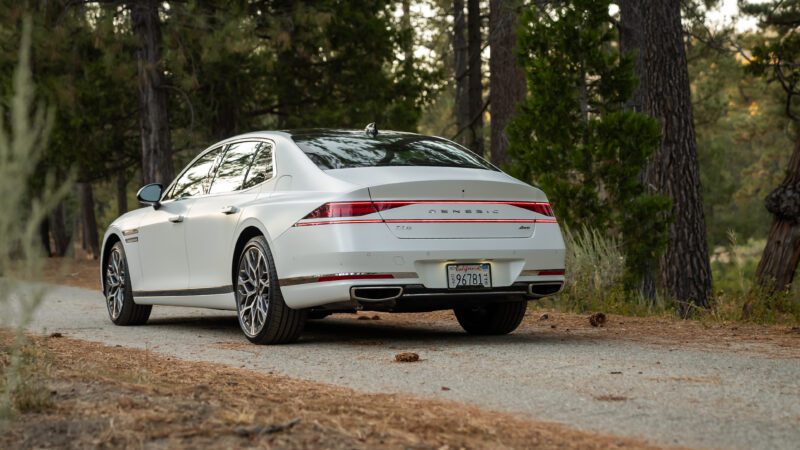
[574, 136]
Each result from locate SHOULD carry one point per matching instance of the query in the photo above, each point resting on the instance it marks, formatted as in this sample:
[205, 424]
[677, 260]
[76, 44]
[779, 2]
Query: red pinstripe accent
[353, 221]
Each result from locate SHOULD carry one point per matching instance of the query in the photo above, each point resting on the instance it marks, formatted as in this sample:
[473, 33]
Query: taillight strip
[292, 281]
[356, 221]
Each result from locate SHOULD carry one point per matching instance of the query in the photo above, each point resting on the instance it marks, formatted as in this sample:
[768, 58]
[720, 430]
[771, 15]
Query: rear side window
[344, 150]
[195, 179]
[231, 173]
[261, 169]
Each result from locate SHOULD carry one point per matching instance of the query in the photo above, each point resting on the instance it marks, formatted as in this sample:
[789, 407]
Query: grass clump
[595, 279]
[29, 391]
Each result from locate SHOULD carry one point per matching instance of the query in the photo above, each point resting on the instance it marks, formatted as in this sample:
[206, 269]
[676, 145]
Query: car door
[213, 220]
[162, 242]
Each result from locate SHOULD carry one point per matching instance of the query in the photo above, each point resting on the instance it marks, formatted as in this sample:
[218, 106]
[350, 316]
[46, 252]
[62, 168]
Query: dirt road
[661, 392]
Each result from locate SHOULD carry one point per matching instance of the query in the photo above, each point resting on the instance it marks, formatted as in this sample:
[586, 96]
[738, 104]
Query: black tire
[122, 310]
[281, 324]
[492, 319]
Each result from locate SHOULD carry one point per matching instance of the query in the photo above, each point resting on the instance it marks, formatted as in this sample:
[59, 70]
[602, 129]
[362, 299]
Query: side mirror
[150, 195]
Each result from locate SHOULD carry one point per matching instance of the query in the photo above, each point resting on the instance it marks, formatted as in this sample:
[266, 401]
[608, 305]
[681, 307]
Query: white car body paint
[453, 219]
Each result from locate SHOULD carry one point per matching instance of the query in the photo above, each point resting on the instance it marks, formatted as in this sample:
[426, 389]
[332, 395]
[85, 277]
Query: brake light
[355, 276]
[342, 209]
[350, 211]
[537, 207]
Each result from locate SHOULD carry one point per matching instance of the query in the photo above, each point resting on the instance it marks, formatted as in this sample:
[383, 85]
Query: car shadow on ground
[347, 330]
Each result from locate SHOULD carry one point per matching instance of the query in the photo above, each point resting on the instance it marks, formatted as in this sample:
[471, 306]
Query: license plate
[469, 276]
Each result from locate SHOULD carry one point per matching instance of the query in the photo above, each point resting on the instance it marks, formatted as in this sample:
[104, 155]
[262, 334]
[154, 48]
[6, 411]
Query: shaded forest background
[139, 87]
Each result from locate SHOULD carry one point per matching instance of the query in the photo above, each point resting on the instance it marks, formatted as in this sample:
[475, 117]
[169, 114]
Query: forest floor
[101, 397]
[189, 379]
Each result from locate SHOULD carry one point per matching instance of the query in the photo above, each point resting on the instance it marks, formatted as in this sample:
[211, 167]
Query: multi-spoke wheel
[263, 315]
[117, 288]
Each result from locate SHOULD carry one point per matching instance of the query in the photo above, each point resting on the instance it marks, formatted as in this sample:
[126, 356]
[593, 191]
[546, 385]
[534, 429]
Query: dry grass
[119, 397]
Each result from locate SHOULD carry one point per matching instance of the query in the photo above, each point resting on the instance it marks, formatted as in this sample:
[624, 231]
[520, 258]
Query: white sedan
[285, 226]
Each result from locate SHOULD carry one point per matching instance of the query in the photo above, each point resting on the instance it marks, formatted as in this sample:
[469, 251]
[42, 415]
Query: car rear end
[420, 238]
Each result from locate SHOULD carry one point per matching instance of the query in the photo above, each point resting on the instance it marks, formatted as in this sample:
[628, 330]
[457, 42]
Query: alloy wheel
[115, 284]
[253, 291]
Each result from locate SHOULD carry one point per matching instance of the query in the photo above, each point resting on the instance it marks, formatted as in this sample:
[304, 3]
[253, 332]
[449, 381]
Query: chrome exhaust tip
[375, 293]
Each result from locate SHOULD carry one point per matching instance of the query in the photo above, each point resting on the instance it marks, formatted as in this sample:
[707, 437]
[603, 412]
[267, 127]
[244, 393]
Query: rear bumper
[305, 256]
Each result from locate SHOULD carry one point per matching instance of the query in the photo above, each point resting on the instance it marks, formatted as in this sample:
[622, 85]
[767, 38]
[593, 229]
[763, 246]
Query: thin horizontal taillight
[355, 276]
[347, 210]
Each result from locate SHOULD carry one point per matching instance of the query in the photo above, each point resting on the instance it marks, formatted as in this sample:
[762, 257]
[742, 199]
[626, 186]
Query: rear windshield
[344, 150]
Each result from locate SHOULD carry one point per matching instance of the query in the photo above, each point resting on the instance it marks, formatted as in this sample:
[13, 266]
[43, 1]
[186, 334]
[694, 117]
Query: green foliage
[573, 136]
[743, 142]
[596, 273]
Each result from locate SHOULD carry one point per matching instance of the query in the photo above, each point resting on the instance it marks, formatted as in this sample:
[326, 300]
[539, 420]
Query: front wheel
[117, 289]
[492, 319]
[263, 315]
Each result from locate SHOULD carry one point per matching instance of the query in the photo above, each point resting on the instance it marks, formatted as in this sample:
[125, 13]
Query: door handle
[176, 219]
[230, 210]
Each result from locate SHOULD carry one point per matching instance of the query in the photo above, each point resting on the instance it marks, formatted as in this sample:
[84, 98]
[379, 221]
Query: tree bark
[475, 82]
[58, 229]
[44, 235]
[506, 79]
[630, 43]
[122, 194]
[460, 55]
[156, 151]
[88, 221]
[673, 169]
[781, 255]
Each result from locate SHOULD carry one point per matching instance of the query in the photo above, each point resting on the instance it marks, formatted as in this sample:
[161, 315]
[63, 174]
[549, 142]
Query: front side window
[344, 150]
[231, 173]
[195, 180]
[261, 169]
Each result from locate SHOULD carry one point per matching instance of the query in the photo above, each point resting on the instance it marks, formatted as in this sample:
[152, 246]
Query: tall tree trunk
[475, 81]
[122, 194]
[673, 169]
[781, 255]
[461, 55]
[44, 235]
[406, 26]
[58, 228]
[630, 43]
[156, 151]
[506, 79]
[88, 221]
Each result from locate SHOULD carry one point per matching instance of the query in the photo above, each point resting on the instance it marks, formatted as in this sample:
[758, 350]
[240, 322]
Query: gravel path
[665, 395]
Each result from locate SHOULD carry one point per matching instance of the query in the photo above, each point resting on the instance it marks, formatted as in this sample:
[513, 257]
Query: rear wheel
[492, 319]
[117, 289]
[263, 315]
